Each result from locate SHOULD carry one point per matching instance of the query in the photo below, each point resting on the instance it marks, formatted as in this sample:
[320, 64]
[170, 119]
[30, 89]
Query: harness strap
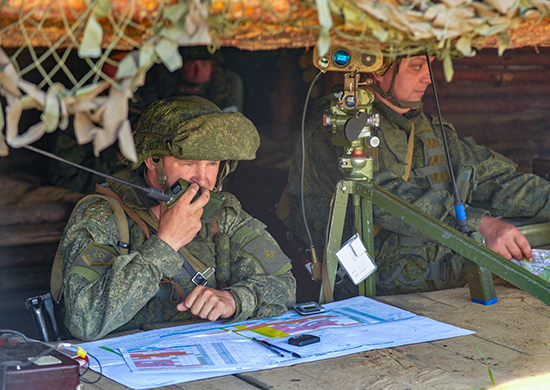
[194, 266]
[56, 280]
[177, 292]
[409, 156]
[131, 213]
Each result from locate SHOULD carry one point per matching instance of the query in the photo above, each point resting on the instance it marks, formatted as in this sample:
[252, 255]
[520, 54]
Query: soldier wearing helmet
[224, 266]
[407, 260]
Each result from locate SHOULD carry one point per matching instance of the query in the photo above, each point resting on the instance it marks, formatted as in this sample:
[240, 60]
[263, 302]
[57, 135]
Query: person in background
[407, 260]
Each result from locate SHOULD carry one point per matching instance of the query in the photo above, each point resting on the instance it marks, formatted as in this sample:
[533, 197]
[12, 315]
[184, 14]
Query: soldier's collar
[132, 196]
[401, 121]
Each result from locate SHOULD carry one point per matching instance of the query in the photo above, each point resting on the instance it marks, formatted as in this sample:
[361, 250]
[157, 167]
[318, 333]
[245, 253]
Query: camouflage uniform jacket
[225, 90]
[407, 264]
[106, 291]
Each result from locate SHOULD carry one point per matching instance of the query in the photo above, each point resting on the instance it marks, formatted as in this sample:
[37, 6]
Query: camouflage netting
[152, 30]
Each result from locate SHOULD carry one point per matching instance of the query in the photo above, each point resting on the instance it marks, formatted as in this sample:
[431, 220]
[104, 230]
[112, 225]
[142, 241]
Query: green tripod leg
[480, 279]
[363, 225]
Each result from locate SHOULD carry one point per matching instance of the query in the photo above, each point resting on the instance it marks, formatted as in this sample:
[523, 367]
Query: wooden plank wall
[503, 102]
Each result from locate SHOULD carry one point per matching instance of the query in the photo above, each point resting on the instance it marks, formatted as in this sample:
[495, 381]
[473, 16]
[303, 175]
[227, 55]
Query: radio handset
[178, 189]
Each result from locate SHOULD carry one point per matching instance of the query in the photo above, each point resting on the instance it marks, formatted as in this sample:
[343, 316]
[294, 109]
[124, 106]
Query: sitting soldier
[113, 286]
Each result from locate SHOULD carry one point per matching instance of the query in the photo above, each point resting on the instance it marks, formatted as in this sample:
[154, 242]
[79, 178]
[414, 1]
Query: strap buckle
[202, 280]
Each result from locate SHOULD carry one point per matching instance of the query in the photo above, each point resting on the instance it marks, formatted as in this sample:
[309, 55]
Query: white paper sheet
[354, 325]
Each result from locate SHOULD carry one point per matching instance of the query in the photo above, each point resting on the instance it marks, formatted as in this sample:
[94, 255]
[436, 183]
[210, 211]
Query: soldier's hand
[505, 239]
[180, 223]
[209, 303]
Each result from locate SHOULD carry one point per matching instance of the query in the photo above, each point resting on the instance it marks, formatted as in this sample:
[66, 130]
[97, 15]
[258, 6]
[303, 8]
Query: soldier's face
[411, 81]
[202, 172]
[197, 71]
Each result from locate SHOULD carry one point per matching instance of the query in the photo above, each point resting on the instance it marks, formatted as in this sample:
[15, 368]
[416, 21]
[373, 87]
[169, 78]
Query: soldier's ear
[150, 163]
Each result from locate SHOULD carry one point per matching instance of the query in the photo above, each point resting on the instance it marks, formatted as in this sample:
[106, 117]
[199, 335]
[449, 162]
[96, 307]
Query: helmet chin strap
[389, 95]
[162, 181]
[224, 171]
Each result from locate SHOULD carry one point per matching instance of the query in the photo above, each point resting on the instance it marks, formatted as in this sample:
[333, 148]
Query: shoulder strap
[131, 213]
[120, 209]
[409, 156]
[192, 262]
[56, 280]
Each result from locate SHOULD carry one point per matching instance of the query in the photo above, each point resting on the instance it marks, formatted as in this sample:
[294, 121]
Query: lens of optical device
[341, 57]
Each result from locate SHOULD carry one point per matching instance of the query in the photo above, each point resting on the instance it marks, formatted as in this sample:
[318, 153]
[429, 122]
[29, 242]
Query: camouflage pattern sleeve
[438, 203]
[261, 278]
[103, 289]
[506, 193]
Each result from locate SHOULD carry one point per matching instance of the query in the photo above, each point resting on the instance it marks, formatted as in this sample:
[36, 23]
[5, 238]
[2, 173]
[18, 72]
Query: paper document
[540, 265]
[186, 353]
[354, 258]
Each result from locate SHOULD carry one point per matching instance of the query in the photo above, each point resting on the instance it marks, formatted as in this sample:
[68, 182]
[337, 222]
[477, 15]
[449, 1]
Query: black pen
[272, 346]
[267, 345]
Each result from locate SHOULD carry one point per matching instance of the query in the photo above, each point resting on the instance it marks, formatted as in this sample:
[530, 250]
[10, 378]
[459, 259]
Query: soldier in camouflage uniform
[202, 74]
[248, 275]
[407, 260]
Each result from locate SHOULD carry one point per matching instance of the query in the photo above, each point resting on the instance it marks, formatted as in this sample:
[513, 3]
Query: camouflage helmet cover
[193, 128]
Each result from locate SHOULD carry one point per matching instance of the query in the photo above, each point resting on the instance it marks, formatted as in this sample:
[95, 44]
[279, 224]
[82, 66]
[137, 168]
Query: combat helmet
[193, 128]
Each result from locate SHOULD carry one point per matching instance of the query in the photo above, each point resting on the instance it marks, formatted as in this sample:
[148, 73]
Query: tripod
[480, 261]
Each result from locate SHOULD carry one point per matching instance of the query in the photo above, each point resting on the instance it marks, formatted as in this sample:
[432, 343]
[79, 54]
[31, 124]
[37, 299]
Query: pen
[267, 345]
[271, 347]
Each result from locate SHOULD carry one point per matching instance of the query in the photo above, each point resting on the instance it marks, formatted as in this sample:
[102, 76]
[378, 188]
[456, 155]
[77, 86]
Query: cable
[15, 333]
[100, 371]
[15, 363]
[459, 205]
[304, 160]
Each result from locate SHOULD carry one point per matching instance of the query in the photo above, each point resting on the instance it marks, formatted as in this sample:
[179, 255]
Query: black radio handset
[178, 189]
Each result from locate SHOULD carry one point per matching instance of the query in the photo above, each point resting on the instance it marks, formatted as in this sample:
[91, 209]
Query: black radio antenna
[459, 205]
[151, 192]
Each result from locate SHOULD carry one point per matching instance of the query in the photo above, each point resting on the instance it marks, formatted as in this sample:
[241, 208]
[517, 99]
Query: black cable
[100, 371]
[304, 160]
[15, 333]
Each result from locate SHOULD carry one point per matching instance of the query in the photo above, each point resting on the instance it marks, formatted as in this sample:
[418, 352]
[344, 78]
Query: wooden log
[35, 214]
[487, 91]
[495, 105]
[31, 234]
[28, 256]
[25, 279]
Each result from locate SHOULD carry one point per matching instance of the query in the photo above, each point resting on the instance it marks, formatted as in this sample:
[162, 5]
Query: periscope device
[179, 187]
[341, 58]
[308, 308]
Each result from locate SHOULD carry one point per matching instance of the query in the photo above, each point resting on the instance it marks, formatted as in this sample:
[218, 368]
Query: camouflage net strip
[154, 29]
[98, 101]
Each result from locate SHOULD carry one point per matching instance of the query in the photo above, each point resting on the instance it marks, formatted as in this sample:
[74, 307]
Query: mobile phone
[304, 339]
[178, 188]
[308, 308]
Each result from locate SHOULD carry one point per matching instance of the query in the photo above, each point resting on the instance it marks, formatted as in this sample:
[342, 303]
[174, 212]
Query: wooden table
[513, 334]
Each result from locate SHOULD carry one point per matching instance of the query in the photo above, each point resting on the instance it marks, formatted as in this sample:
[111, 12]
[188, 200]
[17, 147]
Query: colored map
[219, 354]
[540, 265]
[293, 326]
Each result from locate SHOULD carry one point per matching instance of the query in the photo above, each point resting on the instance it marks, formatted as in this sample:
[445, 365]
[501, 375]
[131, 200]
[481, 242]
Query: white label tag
[356, 261]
